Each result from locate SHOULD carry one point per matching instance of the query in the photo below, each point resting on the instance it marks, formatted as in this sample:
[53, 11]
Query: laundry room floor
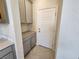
[40, 52]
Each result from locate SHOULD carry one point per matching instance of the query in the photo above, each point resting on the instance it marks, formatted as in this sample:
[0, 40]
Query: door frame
[59, 5]
[58, 17]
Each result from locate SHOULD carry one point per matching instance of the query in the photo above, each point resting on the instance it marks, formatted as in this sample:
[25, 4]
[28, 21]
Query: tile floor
[40, 52]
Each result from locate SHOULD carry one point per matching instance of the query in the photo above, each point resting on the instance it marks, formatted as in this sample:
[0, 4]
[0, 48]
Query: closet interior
[28, 35]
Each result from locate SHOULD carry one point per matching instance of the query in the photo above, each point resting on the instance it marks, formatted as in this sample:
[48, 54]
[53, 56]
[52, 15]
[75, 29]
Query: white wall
[46, 4]
[68, 47]
[12, 31]
[7, 30]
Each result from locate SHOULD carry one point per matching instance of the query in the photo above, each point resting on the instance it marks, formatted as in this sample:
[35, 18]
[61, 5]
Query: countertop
[4, 43]
[27, 34]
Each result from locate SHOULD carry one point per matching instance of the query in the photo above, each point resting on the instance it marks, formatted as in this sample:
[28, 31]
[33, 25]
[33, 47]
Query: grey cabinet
[8, 53]
[29, 42]
[8, 56]
[33, 40]
[26, 46]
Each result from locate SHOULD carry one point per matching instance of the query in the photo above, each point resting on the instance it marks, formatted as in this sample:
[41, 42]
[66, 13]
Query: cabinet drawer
[5, 51]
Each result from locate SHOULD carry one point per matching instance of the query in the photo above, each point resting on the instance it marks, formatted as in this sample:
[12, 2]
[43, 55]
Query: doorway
[45, 23]
[46, 27]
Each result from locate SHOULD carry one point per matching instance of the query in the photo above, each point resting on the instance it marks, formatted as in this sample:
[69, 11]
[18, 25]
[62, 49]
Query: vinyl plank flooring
[40, 52]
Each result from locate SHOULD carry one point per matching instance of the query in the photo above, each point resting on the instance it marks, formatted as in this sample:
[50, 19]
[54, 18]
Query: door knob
[39, 29]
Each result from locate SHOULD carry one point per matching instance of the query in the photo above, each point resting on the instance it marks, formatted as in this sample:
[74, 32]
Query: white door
[46, 26]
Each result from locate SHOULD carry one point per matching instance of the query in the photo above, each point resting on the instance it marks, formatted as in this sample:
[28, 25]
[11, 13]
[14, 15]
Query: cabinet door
[28, 5]
[22, 11]
[33, 40]
[8, 56]
[26, 46]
